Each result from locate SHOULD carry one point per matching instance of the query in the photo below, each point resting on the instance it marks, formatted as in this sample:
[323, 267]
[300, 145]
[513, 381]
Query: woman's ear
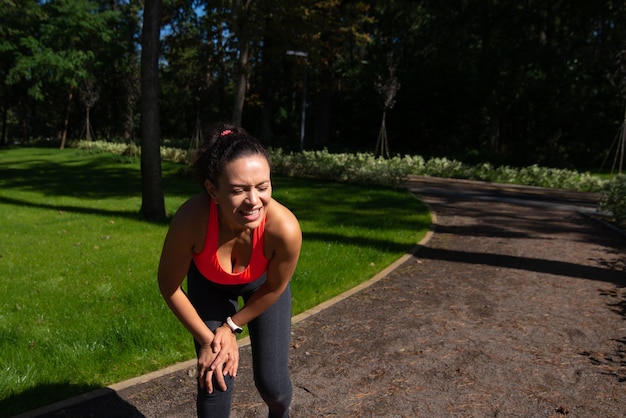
[211, 190]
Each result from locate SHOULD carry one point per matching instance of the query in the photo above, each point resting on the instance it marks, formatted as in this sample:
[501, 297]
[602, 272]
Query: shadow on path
[554, 267]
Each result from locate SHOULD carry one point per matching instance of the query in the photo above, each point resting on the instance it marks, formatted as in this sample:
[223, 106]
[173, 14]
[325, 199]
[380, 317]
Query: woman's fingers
[205, 378]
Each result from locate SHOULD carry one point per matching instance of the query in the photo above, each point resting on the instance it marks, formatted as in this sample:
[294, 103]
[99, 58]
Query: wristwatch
[234, 327]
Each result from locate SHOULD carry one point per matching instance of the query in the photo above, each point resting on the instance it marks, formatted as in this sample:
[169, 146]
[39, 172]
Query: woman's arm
[175, 260]
[173, 266]
[283, 244]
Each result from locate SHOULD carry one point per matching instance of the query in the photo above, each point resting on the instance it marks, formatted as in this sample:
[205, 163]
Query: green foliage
[62, 50]
[614, 199]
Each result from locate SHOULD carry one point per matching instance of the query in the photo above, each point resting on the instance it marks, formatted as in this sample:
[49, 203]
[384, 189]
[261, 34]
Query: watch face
[238, 330]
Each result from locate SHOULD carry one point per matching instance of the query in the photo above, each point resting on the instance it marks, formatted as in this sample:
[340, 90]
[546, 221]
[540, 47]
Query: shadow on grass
[79, 174]
[381, 245]
[73, 209]
[350, 205]
[92, 402]
[87, 177]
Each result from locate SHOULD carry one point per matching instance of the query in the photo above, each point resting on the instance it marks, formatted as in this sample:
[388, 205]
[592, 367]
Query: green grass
[80, 307]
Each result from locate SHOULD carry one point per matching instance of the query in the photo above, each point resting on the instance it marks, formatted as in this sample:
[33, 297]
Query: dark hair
[222, 145]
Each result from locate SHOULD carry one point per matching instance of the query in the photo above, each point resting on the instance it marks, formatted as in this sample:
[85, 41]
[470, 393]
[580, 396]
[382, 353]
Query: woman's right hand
[225, 343]
[206, 357]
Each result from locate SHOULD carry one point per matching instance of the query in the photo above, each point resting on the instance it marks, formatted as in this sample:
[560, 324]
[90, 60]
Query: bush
[360, 168]
[366, 168]
[614, 199]
[175, 155]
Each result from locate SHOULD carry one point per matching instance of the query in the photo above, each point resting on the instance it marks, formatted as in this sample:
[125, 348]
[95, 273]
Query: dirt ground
[515, 307]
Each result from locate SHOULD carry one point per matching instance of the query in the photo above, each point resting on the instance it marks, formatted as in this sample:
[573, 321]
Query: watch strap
[233, 327]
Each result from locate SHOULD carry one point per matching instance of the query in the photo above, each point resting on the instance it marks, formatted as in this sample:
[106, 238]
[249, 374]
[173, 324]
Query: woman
[233, 240]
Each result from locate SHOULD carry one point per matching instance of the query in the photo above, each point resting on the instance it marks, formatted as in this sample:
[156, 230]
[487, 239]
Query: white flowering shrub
[354, 168]
[118, 148]
[366, 168]
[175, 155]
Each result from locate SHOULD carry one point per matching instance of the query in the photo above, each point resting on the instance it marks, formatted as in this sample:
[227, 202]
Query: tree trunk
[323, 114]
[66, 122]
[382, 143]
[267, 86]
[130, 99]
[266, 122]
[131, 81]
[87, 124]
[240, 92]
[239, 24]
[152, 199]
[5, 128]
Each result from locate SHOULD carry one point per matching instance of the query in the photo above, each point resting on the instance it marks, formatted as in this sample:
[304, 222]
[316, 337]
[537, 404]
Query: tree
[327, 39]
[89, 95]
[387, 87]
[152, 198]
[241, 28]
[17, 21]
[188, 76]
[513, 83]
[336, 46]
[60, 51]
[118, 80]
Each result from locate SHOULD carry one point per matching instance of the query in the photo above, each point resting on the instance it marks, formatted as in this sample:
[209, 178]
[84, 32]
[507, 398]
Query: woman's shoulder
[281, 222]
[188, 227]
[193, 209]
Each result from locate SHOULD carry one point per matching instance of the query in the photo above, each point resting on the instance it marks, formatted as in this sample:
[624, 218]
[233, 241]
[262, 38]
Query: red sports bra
[208, 263]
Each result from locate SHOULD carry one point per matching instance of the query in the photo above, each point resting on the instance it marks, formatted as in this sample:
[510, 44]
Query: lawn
[80, 306]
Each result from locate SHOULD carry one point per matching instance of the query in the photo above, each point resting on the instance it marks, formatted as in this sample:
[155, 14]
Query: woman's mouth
[251, 215]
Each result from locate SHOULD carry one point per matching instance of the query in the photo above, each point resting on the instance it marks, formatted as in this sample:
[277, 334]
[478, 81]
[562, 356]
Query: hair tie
[226, 132]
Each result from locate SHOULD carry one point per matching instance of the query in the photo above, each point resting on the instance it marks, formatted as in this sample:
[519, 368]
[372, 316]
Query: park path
[515, 306]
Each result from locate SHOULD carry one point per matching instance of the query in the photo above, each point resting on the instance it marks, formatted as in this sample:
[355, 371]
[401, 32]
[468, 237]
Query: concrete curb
[599, 220]
[117, 387]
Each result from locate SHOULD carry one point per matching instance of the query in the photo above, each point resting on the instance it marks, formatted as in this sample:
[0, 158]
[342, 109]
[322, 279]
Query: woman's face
[243, 192]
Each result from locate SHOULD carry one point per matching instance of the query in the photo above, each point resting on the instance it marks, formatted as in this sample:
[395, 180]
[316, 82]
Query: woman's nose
[252, 196]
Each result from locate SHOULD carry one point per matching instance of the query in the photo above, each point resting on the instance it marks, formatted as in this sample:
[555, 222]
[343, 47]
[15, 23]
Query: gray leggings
[270, 334]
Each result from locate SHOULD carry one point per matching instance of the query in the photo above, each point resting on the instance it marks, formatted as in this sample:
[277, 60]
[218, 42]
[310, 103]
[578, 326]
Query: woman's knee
[277, 395]
[217, 403]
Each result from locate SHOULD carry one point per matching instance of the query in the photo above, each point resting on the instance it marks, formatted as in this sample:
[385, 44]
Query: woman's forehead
[252, 169]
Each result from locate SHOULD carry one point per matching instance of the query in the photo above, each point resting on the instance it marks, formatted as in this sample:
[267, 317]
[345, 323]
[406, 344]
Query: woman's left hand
[225, 345]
